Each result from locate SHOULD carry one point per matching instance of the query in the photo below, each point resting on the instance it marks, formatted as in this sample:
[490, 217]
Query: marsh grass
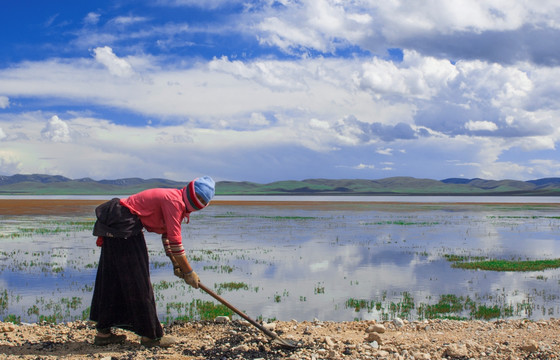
[230, 286]
[476, 263]
[45, 228]
[14, 319]
[485, 312]
[521, 217]
[3, 300]
[403, 307]
[360, 304]
[460, 258]
[319, 288]
[403, 223]
[54, 311]
[449, 306]
[195, 310]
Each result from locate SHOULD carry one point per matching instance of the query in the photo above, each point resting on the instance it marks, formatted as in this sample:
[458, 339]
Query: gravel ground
[433, 339]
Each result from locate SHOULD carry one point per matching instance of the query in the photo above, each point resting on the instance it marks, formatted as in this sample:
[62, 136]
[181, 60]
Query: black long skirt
[123, 296]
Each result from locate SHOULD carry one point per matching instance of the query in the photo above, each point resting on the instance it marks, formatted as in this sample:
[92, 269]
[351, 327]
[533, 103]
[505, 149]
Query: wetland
[301, 260]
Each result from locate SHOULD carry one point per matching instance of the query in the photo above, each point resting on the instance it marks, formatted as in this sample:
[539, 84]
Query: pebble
[398, 322]
[456, 351]
[242, 347]
[530, 347]
[422, 356]
[6, 327]
[381, 353]
[269, 326]
[377, 328]
[374, 337]
[222, 319]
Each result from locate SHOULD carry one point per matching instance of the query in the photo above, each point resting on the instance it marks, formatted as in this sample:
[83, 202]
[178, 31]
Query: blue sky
[277, 90]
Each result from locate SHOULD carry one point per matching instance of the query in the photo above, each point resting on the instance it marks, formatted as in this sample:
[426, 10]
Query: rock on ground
[433, 339]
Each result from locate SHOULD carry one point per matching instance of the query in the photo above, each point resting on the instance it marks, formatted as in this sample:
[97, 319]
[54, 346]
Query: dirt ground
[432, 339]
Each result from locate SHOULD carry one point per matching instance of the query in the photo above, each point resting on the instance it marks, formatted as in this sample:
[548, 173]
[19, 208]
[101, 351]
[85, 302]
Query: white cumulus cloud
[92, 18]
[416, 76]
[364, 166]
[9, 162]
[115, 65]
[481, 126]
[56, 130]
[387, 151]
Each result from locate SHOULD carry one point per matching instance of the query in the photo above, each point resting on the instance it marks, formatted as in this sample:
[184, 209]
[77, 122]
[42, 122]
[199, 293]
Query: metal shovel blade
[286, 343]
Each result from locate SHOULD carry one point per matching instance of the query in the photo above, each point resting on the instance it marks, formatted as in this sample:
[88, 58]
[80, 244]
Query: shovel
[286, 343]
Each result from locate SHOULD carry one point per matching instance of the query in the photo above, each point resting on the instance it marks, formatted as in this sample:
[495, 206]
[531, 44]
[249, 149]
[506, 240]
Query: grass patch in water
[360, 304]
[522, 217]
[230, 286]
[403, 223]
[14, 319]
[196, 310]
[465, 262]
[491, 312]
[3, 300]
[45, 228]
[449, 306]
[461, 258]
[404, 307]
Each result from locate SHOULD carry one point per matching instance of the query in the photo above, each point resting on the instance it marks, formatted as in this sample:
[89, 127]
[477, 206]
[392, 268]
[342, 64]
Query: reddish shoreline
[72, 206]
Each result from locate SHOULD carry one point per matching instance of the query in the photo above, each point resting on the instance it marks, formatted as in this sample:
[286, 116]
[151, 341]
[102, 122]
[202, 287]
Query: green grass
[3, 300]
[522, 217]
[46, 228]
[461, 258]
[491, 312]
[448, 306]
[230, 286]
[196, 310]
[319, 289]
[360, 304]
[11, 318]
[403, 223]
[505, 265]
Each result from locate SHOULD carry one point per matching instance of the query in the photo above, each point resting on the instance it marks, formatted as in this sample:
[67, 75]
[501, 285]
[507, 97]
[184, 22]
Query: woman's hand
[191, 279]
[182, 269]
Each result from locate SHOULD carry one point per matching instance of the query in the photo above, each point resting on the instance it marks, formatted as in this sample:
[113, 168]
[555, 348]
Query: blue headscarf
[204, 186]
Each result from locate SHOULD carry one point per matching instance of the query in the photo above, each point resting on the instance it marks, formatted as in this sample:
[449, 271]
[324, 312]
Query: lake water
[330, 263]
[320, 198]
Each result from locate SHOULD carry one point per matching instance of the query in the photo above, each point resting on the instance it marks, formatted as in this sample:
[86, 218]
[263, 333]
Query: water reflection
[301, 264]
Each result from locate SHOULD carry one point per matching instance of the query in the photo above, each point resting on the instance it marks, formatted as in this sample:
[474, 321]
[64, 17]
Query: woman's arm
[183, 263]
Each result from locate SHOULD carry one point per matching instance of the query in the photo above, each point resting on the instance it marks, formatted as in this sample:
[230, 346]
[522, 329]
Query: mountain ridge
[41, 184]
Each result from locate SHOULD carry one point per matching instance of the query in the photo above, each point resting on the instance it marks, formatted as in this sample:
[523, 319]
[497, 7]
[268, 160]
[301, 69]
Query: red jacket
[161, 211]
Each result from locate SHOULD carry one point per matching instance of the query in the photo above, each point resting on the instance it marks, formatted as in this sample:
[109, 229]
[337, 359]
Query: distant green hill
[38, 184]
